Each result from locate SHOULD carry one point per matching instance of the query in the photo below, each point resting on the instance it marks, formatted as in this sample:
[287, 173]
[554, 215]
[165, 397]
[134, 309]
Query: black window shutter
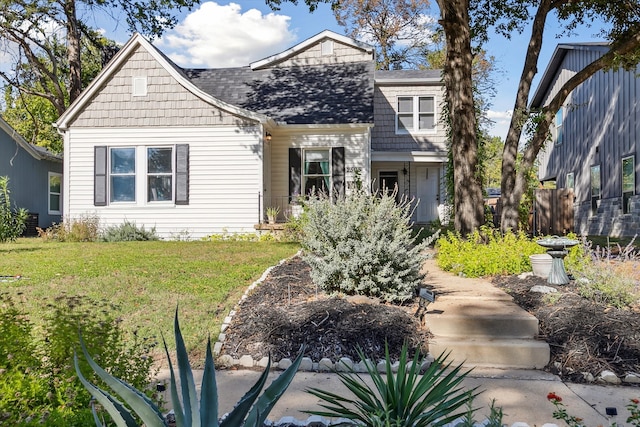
[182, 174]
[337, 171]
[295, 172]
[100, 176]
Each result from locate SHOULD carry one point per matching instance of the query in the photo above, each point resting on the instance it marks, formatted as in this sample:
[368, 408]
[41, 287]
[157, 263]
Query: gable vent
[327, 47]
[139, 85]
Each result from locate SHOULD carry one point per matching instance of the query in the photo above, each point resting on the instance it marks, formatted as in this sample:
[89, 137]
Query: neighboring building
[205, 151]
[595, 139]
[35, 178]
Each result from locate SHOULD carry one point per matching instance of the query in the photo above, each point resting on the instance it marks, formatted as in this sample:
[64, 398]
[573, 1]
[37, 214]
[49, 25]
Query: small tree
[12, 221]
[363, 244]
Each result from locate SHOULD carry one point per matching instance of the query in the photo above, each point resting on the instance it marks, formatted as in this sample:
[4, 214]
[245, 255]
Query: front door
[427, 182]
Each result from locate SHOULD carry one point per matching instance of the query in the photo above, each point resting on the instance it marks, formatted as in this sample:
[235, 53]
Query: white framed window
[316, 171]
[141, 174]
[122, 174]
[558, 127]
[628, 182]
[570, 181]
[160, 170]
[139, 85]
[326, 47]
[596, 188]
[55, 193]
[416, 114]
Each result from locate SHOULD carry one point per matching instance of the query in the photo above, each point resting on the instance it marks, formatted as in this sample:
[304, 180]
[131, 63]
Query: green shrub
[363, 244]
[12, 220]
[82, 229]
[251, 411]
[486, 252]
[39, 385]
[128, 232]
[601, 275]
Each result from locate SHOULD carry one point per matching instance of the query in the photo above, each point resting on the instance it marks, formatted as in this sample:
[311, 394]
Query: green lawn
[145, 280]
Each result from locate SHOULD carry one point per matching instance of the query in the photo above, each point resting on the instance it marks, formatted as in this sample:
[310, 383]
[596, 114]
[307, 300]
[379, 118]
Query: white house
[204, 151]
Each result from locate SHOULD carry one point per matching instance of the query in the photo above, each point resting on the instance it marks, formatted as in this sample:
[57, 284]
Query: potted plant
[272, 214]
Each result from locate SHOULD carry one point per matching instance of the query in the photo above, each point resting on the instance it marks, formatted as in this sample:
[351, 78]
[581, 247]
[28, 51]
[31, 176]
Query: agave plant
[409, 398]
[251, 411]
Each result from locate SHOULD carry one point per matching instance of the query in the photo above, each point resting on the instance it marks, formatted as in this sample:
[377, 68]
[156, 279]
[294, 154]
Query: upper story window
[558, 123]
[595, 188]
[415, 114]
[628, 182]
[55, 193]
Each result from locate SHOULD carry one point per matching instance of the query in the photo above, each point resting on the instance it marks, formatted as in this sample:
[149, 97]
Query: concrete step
[495, 353]
[480, 317]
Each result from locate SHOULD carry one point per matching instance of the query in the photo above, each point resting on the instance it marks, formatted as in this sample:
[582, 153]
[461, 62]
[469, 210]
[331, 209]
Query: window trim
[573, 181]
[110, 175]
[595, 198]
[416, 113]
[147, 174]
[49, 193]
[304, 174]
[559, 127]
[626, 195]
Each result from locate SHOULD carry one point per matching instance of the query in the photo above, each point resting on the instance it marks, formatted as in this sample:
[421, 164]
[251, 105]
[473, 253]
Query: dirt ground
[287, 311]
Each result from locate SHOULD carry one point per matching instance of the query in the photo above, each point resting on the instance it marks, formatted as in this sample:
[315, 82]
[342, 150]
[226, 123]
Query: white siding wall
[225, 177]
[355, 142]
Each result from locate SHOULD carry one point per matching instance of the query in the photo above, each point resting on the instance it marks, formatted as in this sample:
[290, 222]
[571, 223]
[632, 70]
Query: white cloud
[223, 36]
[501, 121]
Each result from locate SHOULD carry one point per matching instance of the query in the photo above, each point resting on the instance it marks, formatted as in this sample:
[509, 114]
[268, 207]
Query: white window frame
[141, 176]
[559, 128]
[51, 193]
[627, 194]
[416, 113]
[304, 173]
[171, 174]
[572, 180]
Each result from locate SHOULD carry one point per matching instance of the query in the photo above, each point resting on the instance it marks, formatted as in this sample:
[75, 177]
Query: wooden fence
[552, 212]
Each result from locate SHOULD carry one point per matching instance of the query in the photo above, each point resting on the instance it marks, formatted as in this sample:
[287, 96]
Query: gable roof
[39, 153]
[553, 68]
[313, 94]
[176, 72]
[326, 34]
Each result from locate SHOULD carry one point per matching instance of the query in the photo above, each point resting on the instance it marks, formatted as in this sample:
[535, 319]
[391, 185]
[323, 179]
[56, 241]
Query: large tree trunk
[468, 200]
[513, 179]
[73, 50]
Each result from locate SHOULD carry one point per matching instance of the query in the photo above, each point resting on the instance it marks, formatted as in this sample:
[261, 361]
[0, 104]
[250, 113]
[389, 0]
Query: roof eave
[305, 44]
[138, 40]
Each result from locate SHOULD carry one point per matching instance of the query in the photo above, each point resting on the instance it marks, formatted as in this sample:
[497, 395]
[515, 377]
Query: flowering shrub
[572, 421]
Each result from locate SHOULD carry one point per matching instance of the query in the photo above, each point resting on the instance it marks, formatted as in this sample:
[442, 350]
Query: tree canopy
[45, 40]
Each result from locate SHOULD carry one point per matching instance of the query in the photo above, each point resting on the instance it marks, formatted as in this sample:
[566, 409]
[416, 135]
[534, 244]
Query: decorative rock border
[323, 365]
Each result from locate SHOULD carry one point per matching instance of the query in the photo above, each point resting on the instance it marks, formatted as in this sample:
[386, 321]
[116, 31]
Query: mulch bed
[584, 336]
[287, 310]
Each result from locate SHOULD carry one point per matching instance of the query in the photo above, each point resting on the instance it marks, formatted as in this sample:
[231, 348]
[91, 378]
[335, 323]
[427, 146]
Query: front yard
[144, 280]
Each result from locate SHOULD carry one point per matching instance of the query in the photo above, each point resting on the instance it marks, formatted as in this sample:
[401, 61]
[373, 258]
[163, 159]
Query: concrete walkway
[521, 393]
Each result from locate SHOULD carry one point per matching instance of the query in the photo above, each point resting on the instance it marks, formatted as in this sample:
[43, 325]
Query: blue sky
[227, 34]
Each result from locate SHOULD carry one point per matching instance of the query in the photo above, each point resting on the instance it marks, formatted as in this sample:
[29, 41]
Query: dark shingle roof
[319, 94]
